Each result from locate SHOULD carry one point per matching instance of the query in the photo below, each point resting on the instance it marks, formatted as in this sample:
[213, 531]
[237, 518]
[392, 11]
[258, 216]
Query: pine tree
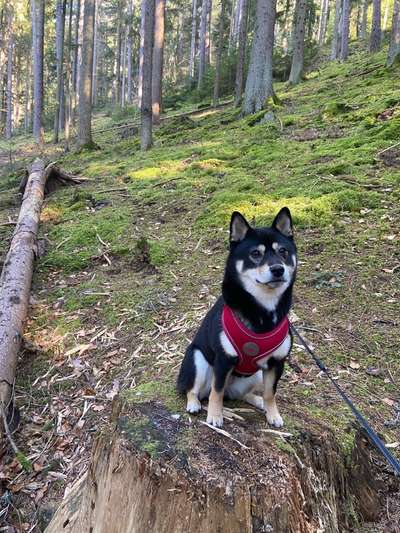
[376, 34]
[37, 16]
[85, 77]
[60, 24]
[259, 83]
[344, 47]
[394, 47]
[203, 44]
[158, 59]
[10, 55]
[241, 56]
[146, 131]
[298, 42]
[218, 60]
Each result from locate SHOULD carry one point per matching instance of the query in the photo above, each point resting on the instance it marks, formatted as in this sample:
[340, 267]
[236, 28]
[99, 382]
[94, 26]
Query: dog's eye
[283, 251]
[256, 255]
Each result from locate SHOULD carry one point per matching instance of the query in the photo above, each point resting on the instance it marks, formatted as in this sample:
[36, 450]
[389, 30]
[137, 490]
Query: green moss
[162, 252]
[159, 391]
[336, 108]
[79, 238]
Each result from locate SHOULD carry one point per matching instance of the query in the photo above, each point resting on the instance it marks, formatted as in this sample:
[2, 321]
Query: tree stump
[155, 469]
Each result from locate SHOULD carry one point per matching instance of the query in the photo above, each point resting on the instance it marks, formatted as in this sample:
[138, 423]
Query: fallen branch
[166, 117]
[55, 178]
[388, 148]
[161, 183]
[12, 223]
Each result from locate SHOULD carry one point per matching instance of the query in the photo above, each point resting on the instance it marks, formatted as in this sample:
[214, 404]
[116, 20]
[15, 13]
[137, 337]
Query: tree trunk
[193, 41]
[158, 59]
[123, 72]
[394, 47]
[241, 54]
[386, 15]
[10, 54]
[119, 53]
[236, 24]
[364, 20]
[129, 53]
[298, 43]
[146, 131]
[344, 47]
[15, 280]
[208, 35]
[76, 62]
[27, 109]
[68, 80]
[232, 25]
[202, 46]
[153, 472]
[37, 10]
[259, 83]
[323, 21]
[85, 77]
[95, 53]
[141, 52]
[221, 35]
[336, 31]
[60, 25]
[375, 37]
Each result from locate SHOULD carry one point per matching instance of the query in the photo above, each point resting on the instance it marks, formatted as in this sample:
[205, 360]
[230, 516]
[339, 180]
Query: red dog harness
[250, 346]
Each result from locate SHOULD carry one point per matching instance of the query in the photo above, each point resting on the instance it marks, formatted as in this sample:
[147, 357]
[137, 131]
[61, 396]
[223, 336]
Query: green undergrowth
[141, 245]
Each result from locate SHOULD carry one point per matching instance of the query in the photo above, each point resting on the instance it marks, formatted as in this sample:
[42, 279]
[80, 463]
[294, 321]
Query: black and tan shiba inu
[241, 345]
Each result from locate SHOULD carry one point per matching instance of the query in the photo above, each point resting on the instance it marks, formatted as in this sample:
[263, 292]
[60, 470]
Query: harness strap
[249, 346]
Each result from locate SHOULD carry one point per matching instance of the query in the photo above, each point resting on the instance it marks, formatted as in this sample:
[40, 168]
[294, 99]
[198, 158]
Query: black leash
[376, 441]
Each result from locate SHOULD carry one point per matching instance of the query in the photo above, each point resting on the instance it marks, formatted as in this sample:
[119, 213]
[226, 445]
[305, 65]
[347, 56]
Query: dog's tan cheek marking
[294, 259]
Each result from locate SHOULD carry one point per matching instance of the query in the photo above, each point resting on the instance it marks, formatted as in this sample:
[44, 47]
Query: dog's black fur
[260, 303]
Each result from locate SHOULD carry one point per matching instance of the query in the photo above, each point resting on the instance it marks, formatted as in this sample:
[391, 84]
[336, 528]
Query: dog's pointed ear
[239, 227]
[283, 222]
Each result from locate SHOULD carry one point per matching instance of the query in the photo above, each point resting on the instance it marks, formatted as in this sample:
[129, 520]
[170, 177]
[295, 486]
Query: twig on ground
[276, 432]
[225, 434]
[8, 432]
[161, 183]
[388, 148]
[120, 189]
[11, 223]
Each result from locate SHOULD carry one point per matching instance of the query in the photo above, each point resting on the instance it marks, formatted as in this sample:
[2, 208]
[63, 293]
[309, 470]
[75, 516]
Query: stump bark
[152, 471]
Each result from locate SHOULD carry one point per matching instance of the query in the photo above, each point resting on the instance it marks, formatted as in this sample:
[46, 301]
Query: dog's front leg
[271, 377]
[223, 367]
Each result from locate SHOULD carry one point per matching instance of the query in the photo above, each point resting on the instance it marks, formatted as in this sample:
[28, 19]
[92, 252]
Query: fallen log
[15, 280]
[16, 276]
[153, 470]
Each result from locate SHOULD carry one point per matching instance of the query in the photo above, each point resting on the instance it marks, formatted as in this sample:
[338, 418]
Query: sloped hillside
[135, 258]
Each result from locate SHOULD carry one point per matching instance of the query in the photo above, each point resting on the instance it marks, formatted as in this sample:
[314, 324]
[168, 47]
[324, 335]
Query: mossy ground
[321, 156]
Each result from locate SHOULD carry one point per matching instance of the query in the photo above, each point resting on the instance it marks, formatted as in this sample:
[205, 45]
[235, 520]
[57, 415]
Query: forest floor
[135, 258]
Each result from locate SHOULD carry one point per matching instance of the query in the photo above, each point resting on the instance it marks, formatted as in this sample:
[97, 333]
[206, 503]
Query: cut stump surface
[154, 470]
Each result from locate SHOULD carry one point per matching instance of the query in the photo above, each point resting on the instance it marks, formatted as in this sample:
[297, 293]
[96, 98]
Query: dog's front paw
[193, 405]
[274, 419]
[215, 419]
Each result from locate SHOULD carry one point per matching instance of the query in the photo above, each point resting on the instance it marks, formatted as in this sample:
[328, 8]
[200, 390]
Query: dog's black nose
[277, 271]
